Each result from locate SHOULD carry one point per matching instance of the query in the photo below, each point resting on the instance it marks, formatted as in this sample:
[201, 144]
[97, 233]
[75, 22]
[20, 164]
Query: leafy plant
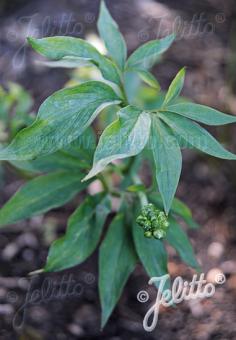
[15, 114]
[15, 106]
[60, 145]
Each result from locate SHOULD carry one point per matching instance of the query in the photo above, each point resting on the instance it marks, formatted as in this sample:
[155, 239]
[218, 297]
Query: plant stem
[142, 196]
[104, 182]
[107, 186]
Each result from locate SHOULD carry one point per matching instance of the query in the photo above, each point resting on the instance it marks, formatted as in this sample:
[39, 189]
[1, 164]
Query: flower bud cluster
[153, 221]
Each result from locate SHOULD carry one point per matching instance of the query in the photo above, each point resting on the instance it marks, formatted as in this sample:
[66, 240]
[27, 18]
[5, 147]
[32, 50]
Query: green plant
[15, 106]
[149, 126]
[15, 114]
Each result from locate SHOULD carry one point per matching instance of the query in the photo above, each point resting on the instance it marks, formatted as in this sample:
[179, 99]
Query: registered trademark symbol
[220, 278]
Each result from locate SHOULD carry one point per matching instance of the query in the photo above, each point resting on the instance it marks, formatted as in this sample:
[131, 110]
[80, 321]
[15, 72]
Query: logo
[181, 290]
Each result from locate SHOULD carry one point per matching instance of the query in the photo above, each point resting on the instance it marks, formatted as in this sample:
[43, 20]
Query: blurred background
[206, 44]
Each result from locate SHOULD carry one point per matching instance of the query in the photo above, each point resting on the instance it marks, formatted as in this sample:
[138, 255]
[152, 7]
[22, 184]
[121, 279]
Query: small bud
[147, 226]
[159, 234]
[148, 234]
[141, 220]
[165, 224]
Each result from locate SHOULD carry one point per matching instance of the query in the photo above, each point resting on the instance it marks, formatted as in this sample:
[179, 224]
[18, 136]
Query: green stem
[116, 193]
[107, 187]
[142, 196]
[104, 182]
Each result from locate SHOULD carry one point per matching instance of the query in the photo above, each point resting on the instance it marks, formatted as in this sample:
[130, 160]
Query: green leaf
[191, 223]
[132, 83]
[151, 253]
[182, 142]
[109, 32]
[77, 155]
[82, 236]
[125, 137]
[117, 259]
[68, 62]
[147, 55]
[175, 87]
[40, 195]
[178, 239]
[57, 48]
[177, 208]
[57, 161]
[168, 161]
[201, 113]
[146, 77]
[62, 117]
[23, 101]
[195, 135]
[136, 188]
[83, 147]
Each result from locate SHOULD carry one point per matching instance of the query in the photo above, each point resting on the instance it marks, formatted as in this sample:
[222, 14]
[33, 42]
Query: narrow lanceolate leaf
[151, 253]
[125, 137]
[61, 119]
[168, 161]
[175, 87]
[109, 32]
[41, 195]
[178, 239]
[195, 135]
[62, 48]
[146, 77]
[201, 113]
[117, 259]
[148, 54]
[82, 236]
[191, 223]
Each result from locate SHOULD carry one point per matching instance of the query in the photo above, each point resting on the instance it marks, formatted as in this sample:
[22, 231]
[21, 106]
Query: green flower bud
[155, 225]
[153, 221]
[148, 234]
[147, 226]
[141, 220]
[165, 224]
[159, 234]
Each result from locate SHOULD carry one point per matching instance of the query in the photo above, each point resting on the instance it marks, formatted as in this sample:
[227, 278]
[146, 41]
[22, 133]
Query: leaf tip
[172, 36]
[167, 205]
[87, 177]
[30, 40]
[35, 272]
[102, 8]
[104, 320]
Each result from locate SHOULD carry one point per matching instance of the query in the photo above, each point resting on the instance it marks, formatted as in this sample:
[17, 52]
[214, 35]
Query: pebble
[215, 250]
